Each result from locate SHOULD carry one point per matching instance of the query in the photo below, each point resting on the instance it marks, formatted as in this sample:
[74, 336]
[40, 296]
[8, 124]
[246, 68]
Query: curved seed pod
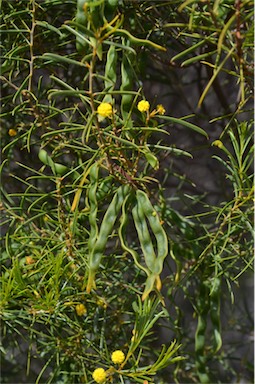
[134, 40]
[143, 211]
[94, 170]
[199, 348]
[57, 169]
[215, 312]
[162, 243]
[202, 308]
[127, 77]
[110, 72]
[104, 232]
[122, 231]
[104, 187]
[110, 67]
[44, 157]
[144, 236]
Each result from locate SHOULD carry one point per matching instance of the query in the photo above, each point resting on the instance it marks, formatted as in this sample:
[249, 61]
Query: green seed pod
[157, 229]
[122, 232]
[215, 313]
[105, 230]
[144, 236]
[94, 170]
[200, 350]
[200, 335]
[104, 187]
[143, 211]
[82, 19]
[110, 67]
[110, 73]
[202, 309]
[44, 157]
[127, 77]
[57, 169]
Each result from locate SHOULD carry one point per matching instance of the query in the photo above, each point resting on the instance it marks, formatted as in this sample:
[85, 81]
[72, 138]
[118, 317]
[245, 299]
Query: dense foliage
[126, 191]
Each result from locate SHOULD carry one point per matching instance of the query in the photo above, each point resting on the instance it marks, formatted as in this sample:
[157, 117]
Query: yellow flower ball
[29, 260]
[12, 132]
[80, 309]
[160, 109]
[99, 375]
[105, 109]
[143, 106]
[118, 357]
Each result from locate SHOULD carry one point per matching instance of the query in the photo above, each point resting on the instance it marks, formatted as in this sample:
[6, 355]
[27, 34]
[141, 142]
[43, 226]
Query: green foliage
[95, 251]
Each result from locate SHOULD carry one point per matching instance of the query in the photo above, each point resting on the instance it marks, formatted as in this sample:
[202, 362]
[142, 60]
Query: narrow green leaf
[215, 74]
[152, 159]
[49, 26]
[188, 50]
[185, 124]
[176, 151]
[197, 58]
[61, 59]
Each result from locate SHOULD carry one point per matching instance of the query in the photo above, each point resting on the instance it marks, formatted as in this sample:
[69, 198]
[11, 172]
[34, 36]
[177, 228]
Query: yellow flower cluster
[12, 132]
[99, 375]
[80, 309]
[118, 357]
[105, 110]
[143, 106]
[29, 260]
[160, 109]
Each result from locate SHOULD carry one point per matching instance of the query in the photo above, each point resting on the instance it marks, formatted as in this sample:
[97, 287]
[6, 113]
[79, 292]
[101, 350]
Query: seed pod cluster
[142, 212]
[122, 234]
[106, 229]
